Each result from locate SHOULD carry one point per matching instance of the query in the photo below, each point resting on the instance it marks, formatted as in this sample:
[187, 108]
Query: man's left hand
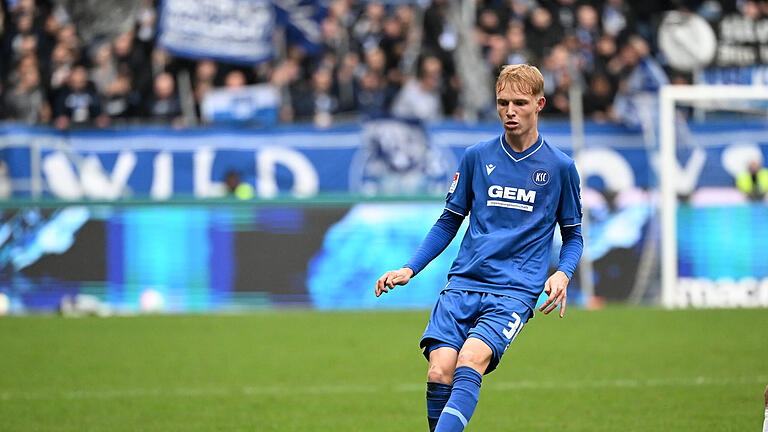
[557, 289]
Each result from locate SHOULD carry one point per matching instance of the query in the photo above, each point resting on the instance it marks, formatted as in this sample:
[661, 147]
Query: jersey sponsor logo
[509, 204]
[454, 183]
[540, 177]
[510, 193]
[489, 168]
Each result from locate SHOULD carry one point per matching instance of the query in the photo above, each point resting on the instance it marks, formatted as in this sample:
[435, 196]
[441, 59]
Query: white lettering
[510, 193]
[62, 179]
[203, 166]
[609, 166]
[527, 196]
[509, 205]
[707, 293]
[92, 181]
[305, 181]
[97, 184]
[162, 178]
[687, 176]
[736, 157]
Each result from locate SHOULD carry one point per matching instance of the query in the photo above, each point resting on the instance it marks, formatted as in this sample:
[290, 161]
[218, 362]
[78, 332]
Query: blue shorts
[459, 315]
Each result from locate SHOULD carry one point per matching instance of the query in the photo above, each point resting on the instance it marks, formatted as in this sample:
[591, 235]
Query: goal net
[714, 213]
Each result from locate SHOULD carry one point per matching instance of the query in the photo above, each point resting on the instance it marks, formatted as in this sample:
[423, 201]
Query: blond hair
[523, 78]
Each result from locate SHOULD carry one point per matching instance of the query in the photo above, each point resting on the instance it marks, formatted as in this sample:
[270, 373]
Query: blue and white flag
[234, 31]
[251, 104]
[300, 19]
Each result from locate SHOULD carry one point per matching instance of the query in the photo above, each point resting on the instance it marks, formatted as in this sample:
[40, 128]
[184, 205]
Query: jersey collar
[515, 156]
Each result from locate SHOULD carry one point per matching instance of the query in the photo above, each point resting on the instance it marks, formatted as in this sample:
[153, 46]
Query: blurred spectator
[420, 97]
[5, 181]
[164, 103]
[120, 101]
[19, 36]
[393, 45]
[754, 181]
[78, 102]
[598, 98]
[62, 61]
[235, 79]
[103, 69]
[372, 97]
[47, 40]
[440, 36]
[26, 102]
[132, 58]
[237, 188]
[542, 33]
[319, 103]
[283, 77]
[368, 28]
[587, 33]
[556, 79]
[205, 71]
[68, 36]
[640, 77]
[376, 61]
[146, 18]
[516, 42]
[564, 12]
[346, 86]
[496, 55]
[605, 50]
[615, 18]
[161, 61]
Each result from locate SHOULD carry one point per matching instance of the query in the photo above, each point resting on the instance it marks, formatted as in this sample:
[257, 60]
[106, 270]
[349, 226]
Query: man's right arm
[457, 204]
[438, 238]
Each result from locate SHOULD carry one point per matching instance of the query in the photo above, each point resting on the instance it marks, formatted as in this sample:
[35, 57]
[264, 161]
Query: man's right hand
[392, 278]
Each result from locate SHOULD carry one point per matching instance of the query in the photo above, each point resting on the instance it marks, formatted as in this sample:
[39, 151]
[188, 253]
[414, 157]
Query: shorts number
[514, 327]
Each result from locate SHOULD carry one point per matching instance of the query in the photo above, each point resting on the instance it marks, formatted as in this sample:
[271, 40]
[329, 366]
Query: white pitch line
[398, 388]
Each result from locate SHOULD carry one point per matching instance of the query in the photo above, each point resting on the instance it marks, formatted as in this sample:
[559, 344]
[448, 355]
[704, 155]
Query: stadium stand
[52, 76]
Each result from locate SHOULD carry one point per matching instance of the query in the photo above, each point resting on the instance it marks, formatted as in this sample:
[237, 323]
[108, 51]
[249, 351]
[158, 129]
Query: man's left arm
[569, 217]
[557, 284]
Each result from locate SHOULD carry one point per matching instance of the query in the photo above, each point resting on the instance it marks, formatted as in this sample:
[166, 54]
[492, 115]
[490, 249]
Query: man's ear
[540, 104]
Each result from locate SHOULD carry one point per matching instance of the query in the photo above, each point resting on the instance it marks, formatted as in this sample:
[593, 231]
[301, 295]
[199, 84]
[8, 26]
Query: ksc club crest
[540, 177]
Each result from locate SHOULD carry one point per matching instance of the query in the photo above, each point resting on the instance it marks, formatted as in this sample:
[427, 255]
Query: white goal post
[670, 95]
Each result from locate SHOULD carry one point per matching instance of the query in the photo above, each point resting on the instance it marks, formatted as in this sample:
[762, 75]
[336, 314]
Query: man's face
[518, 111]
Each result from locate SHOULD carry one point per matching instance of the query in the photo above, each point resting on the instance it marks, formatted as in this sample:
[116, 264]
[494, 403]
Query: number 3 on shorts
[514, 327]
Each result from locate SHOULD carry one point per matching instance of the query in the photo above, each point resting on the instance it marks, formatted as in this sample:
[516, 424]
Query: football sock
[463, 400]
[437, 396]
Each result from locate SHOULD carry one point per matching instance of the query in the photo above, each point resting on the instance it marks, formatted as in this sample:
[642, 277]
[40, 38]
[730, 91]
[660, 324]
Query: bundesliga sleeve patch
[454, 183]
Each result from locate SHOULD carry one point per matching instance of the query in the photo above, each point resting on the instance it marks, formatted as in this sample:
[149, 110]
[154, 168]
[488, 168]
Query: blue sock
[463, 400]
[437, 396]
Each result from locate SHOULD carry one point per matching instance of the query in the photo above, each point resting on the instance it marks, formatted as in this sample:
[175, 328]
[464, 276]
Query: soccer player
[515, 188]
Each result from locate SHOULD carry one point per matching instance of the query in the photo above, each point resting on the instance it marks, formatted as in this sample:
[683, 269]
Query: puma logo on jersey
[489, 168]
[510, 193]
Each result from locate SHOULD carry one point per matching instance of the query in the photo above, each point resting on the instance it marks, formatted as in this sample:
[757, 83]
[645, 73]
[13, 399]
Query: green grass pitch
[618, 369]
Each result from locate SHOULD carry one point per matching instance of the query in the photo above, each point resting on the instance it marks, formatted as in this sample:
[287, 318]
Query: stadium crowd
[376, 59]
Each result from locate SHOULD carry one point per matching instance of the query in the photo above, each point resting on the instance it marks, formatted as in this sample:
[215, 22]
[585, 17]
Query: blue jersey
[514, 200]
